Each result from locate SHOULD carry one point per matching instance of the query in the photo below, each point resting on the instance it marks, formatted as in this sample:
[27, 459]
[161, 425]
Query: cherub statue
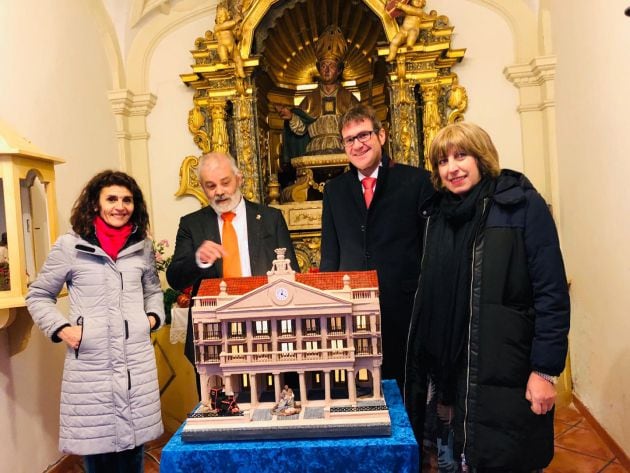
[410, 28]
[227, 33]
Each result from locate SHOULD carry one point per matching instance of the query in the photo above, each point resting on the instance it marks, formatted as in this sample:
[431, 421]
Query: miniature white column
[253, 387]
[276, 385]
[376, 380]
[227, 380]
[327, 397]
[303, 398]
[203, 382]
[352, 387]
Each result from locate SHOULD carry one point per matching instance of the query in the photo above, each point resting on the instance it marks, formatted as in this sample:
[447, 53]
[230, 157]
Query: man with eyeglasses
[370, 220]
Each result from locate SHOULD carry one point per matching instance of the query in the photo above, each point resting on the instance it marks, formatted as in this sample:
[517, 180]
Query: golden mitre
[331, 45]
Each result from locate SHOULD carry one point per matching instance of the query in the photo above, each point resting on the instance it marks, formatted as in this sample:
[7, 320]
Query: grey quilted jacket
[110, 399]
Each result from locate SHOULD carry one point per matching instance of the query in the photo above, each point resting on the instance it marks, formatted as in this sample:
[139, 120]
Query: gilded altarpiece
[262, 54]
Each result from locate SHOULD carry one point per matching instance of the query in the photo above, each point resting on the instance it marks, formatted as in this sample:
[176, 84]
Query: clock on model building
[281, 295]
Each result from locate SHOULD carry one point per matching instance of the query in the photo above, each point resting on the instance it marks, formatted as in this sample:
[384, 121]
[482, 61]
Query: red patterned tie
[232, 261]
[368, 190]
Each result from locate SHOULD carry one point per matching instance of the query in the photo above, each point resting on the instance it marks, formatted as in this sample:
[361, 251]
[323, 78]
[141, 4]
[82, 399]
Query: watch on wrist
[547, 377]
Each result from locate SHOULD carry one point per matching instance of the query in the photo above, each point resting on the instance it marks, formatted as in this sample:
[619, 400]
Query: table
[397, 453]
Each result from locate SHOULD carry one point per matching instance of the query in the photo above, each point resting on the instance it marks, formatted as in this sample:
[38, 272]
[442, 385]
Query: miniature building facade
[319, 332]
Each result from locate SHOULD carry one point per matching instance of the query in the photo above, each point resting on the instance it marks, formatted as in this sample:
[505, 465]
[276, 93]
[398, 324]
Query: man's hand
[71, 335]
[284, 112]
[209, 252]
[540, 393]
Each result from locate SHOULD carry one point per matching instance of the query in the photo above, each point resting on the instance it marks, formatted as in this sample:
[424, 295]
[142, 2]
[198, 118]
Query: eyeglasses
[362, 137]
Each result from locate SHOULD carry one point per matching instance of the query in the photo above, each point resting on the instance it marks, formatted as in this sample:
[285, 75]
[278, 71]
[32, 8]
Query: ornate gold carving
[457, 101]
[298, 192]
[227, 32]
[415, 20]
[307, 251]
[430, 117]
[196, 120]
[244, 128]
[320, 160]
[220, 140]
[188, 180]
[273, 193]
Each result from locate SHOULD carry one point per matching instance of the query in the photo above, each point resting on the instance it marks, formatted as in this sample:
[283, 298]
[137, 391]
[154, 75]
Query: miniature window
[362, 346]
[236, 329]
[286, 327]
[311, 326]
[262, 327]
[340, 376]
[360, 322]
[336, 324]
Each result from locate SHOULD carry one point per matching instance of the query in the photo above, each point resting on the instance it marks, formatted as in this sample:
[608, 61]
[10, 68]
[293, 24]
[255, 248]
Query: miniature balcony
[282, 357]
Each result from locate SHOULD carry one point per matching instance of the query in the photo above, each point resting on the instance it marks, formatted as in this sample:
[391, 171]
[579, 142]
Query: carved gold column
[404, 138]
[219, 140]
[245, 139]
[431, 119]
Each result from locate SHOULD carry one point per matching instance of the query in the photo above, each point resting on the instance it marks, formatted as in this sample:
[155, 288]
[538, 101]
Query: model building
[315, 335]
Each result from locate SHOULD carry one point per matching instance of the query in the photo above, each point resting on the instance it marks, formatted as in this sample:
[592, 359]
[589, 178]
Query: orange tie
[368, 190]
[232, 261]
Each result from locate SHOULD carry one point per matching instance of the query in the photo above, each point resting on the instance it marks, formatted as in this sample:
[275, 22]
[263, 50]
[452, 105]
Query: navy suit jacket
[386, 237]
[266, 231]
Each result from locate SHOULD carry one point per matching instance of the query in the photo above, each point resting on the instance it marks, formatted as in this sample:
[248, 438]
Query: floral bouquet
[161, 264]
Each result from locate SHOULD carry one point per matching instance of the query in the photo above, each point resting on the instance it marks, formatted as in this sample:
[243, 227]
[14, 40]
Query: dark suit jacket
[266, 231]
[387, 238]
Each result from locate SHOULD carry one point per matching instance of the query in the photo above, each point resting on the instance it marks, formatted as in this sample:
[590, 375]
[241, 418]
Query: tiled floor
[578, 449]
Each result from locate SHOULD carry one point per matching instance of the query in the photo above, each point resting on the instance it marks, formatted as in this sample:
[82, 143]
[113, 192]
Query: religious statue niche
[312, 147]
[273, 78]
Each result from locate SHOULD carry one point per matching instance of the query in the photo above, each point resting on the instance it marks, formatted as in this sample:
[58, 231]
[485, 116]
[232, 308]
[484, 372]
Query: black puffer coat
[518, 323]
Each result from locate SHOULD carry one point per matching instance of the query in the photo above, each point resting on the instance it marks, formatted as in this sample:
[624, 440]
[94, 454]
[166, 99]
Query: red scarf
[111, 239]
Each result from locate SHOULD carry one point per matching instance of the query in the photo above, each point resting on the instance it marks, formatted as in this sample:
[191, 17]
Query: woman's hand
[540, 393]
[152, 320]
[71, 335]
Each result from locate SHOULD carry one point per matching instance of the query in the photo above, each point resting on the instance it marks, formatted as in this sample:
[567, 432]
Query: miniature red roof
[328, 281]
[322, 281]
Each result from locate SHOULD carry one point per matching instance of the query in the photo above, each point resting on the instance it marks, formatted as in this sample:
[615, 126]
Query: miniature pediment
[286, 293]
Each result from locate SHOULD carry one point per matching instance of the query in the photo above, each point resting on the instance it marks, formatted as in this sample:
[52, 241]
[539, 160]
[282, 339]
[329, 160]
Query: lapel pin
[257, 216]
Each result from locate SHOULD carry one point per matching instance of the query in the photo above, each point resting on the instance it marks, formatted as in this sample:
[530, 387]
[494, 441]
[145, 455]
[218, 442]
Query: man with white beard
[231, 237]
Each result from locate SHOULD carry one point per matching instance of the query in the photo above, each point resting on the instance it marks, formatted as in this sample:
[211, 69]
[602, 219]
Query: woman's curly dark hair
[87, 205]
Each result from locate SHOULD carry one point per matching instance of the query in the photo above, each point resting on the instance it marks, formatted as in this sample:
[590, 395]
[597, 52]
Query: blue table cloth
[397, 453]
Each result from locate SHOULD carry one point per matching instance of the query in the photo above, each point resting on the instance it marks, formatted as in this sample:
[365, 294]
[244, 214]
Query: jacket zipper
[470, 307]
[415, 296]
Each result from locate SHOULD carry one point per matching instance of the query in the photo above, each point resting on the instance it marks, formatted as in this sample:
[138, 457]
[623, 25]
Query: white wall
[170, 140]
[54, 81]
[591, 43]
[492, 100]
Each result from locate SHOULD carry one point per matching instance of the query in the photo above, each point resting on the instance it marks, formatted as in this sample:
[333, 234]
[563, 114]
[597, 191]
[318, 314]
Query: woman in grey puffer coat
[110, 400]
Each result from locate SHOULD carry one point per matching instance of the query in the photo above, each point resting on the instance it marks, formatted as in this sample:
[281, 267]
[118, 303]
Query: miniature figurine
[221, 403]
[286, 405]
